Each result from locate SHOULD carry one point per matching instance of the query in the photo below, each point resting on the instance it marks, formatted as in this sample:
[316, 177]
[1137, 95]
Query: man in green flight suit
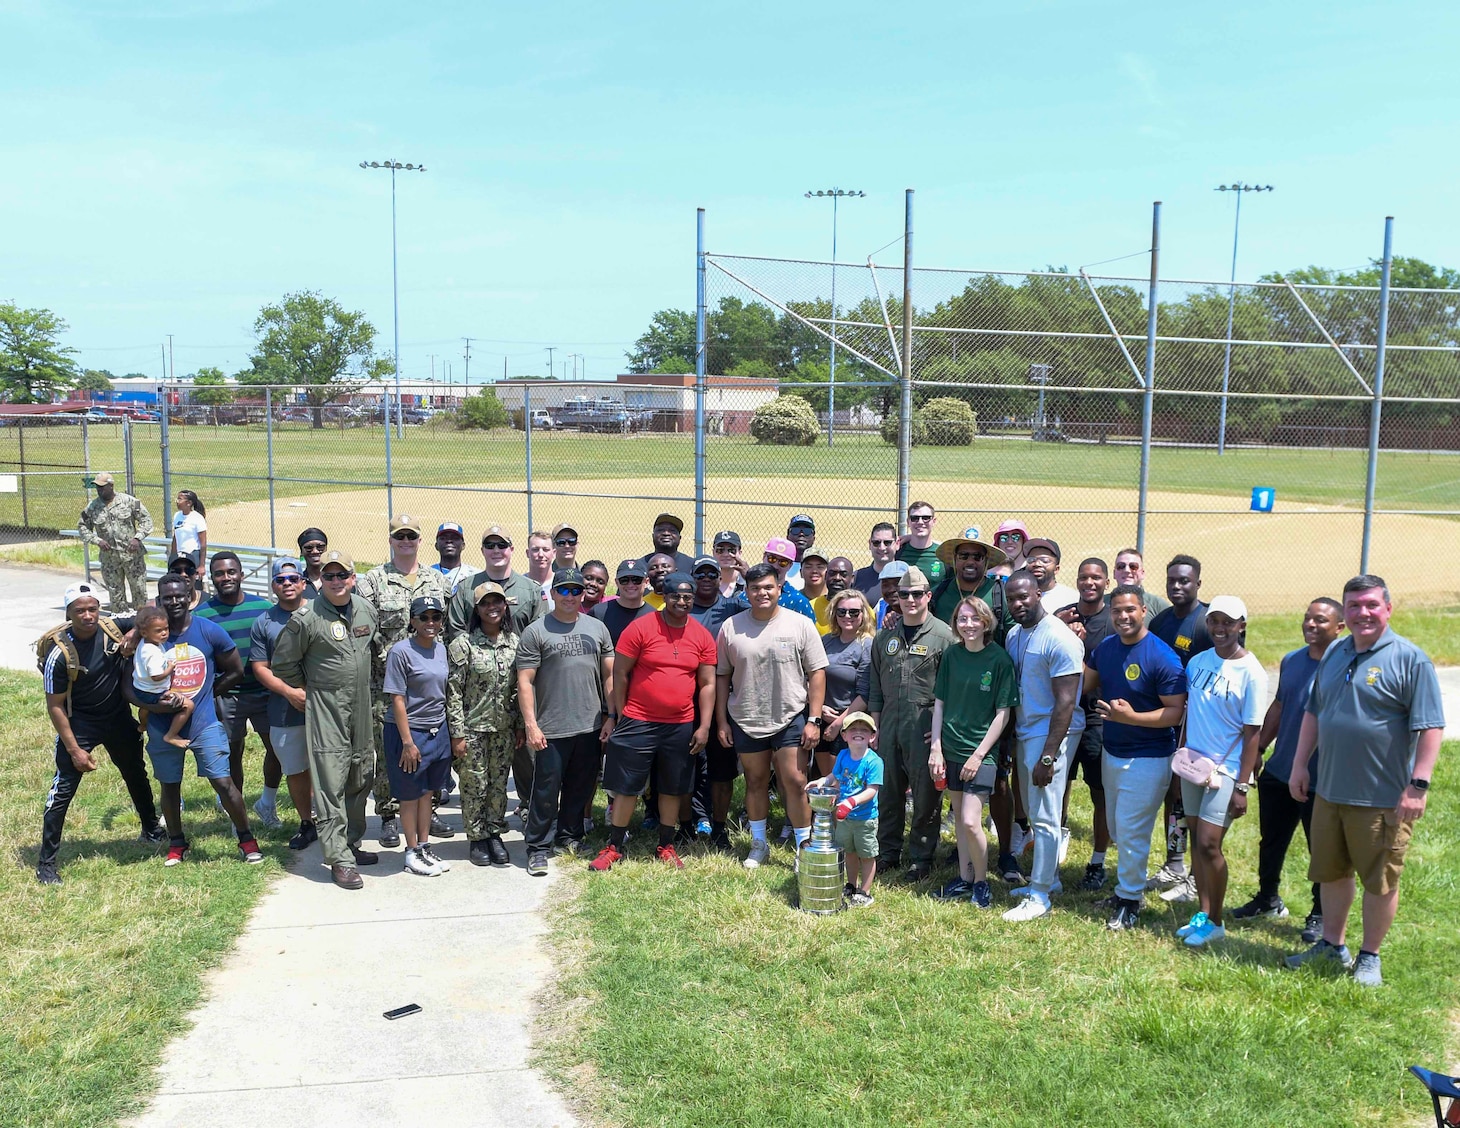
[904, 669]
[389, 589]
[325, 650]
[117, 523]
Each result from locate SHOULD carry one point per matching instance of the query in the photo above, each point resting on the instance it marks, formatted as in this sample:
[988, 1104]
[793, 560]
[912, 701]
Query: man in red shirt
[663, 669]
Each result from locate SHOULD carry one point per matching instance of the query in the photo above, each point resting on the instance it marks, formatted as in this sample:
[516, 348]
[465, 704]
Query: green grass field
[702, 997]
[97, 976]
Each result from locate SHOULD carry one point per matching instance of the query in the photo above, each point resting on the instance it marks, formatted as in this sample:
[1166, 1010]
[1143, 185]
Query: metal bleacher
[255, 560]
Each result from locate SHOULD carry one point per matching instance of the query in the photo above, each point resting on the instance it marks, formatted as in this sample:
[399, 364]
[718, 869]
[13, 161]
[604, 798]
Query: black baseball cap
[631, 568]
[677, 583]
[705, 564]
[568, 577]
[1030, 546]
[424, 603]
[801, 519]
[729, 536]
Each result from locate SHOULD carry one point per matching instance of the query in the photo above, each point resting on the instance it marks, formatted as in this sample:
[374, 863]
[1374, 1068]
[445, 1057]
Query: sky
[174, 165]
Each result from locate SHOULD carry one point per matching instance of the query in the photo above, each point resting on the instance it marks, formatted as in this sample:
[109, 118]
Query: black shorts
[722, 765]
[430, 775]
[1087, 758]
[980, 784]
[237, 711]
[788, 737]
[637, 746]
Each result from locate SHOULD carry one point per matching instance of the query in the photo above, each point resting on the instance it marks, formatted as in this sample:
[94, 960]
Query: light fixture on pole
[1241, 188]
[836, 195]
[394, 166]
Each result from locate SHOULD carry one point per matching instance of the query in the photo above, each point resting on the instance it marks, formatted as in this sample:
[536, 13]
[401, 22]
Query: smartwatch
[1420, 785]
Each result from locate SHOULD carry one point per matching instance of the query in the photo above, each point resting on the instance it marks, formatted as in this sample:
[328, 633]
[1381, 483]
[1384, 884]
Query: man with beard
[668, 529]
[1090, 620]
[968, 561]
[1042, 559]
[660, 564]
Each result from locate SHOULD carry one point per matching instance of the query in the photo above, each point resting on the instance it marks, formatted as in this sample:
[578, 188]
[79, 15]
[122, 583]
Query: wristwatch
[1047, 761]
[1241, 788]
[1420, 784]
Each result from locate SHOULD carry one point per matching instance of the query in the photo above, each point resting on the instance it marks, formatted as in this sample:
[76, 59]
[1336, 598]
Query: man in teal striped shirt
[247, 702]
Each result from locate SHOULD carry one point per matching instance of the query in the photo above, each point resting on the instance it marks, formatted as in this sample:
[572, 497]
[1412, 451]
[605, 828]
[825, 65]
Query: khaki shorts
[857, 836]
[1368, 841]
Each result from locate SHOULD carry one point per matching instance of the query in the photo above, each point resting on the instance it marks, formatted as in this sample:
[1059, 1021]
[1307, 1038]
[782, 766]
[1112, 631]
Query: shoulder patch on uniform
[893, 645]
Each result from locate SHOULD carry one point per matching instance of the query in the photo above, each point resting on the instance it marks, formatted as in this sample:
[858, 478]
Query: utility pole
[467, 379]
[550, 350]
[433, 368]
[1240, 187]
[171, 367]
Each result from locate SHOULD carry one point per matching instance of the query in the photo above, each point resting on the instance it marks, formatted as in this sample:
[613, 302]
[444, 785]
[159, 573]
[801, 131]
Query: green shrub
[482, 411]
[785, 421]
[939, 422]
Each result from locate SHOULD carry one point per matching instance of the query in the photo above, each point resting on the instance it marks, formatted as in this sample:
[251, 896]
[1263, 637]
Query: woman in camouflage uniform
[481, 713]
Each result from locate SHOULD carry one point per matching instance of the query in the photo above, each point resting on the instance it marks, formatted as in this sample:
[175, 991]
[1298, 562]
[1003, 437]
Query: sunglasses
[919, 594]
[777, 561]
[630, 580]
[848, 612]
[882, 543]
[313, 546]
[1010, 536]
[429, 617]
[726, 546]
[564, 542]
[568, 592]
[679, 596]
[405, 535]
[970, 555]
[334, 577]
[292, 578]
[919, 517]
[496, 545]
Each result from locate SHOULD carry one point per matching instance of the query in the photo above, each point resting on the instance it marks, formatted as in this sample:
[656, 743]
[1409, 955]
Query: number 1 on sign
[1262, 499]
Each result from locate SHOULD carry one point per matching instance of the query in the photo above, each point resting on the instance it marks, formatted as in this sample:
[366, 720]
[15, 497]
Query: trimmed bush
[785, 421]
[483, 411]
[939, 422]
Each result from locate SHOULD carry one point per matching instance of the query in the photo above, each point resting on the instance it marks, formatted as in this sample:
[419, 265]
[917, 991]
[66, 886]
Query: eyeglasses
[405, 535]
[291, 578]
[430, 617]
[630, 580]
[848, 612]
[882, 543]
[979, 555]
[564, 542]
[679, 597]
[567, 592]
[918, 594]
[334, 577]
[1129, 566]
[919, 517]
[313, 546]
[777, 561]
[495, 545]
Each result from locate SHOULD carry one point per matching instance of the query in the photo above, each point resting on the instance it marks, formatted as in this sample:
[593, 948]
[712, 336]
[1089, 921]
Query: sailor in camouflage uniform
[481, 712]
[389, 590]
[116, 523]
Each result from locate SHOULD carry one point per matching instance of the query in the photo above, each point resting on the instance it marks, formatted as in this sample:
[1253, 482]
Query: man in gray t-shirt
[564, 665]
[1375, 708]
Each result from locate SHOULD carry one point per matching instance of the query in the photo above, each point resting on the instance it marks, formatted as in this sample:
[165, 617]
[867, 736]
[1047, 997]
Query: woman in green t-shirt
[974, 695]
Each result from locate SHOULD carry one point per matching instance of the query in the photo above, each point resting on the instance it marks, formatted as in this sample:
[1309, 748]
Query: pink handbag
[1195, 768]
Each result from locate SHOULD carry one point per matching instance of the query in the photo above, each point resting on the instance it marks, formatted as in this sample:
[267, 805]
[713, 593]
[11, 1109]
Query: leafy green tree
[483, 411]
[670, 336]
[34, 365]
[314, 343]
[94, 380]
[211, 387]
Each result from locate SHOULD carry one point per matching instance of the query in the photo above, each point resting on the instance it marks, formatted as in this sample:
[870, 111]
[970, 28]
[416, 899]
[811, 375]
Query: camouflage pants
[483, 772]
[120, 569]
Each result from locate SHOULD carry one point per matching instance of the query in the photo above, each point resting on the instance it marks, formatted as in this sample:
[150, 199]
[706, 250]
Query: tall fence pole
[527, 431]
[699, 381]
[269, 431]
[904, 415]
[165, 439]
[1378, 408]
[128, 470]
[1148, 401]
[389, 469]
[24, 494]
[86, 467]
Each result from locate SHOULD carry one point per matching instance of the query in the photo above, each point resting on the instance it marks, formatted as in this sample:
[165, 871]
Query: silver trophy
[820, 879]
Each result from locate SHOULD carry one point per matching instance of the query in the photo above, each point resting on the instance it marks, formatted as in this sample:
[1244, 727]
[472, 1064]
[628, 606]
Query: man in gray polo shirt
[1375, 708]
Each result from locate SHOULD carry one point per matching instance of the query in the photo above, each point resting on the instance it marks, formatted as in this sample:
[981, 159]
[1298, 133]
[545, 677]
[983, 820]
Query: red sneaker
[667, 854]
[249, 848]
[606, 857]
[175, 854]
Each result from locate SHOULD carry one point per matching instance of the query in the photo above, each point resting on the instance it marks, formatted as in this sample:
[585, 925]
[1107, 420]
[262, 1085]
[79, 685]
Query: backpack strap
[60, 638]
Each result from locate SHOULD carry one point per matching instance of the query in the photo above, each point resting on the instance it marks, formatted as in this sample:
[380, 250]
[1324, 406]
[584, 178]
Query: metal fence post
[699, 381]
[904, 418]
[24, 494]
[86, 467]
[527, 433]
[389, 475]
[1148, 400]
[165, 439]
[127, 456]
[1378, 406]
[269, 431]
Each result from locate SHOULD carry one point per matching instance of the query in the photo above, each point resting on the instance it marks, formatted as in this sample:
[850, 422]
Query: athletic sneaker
[606, 857]
[1366, 970]
[848, 889]
[862, 900]
[669, 856]
[1126, 915]
[176, 853]
[46, 874]
[1009, 871]
[720, 840]
[1064, 843]
[537, 863]
[1165, 878]
[703, 828]
[1260, 906]
[250, 851]
[1182, 893]
[153, 837]
[651, 822]
[1030, 908]
[268, 814]
[306, 835]
[955, 890]
[1312, 928]
[981, 896]
[760, 852]
[1192, 925]
[1322, 950]
[1094, 877]
[420, 865]
[434, 858]
[1208, 933]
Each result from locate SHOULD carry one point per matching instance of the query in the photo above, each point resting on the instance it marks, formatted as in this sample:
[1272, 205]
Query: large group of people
[963, 666]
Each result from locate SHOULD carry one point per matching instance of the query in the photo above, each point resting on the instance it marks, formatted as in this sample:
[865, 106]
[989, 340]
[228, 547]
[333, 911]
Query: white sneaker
[420, 865]
[1163, 878]
[268, 814]
[1031, 908]
[1182, 893]
[431, 856]
[1064, 843]
[760, 851]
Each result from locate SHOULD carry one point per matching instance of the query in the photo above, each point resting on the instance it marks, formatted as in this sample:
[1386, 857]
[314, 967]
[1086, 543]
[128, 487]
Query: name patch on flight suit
[919, 649]
[361, 631]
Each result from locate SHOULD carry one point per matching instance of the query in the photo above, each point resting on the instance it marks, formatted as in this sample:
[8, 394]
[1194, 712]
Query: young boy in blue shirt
[857, 774]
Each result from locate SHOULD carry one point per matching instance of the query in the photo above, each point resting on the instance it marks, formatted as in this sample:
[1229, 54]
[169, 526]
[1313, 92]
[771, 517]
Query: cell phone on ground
[401, 1012]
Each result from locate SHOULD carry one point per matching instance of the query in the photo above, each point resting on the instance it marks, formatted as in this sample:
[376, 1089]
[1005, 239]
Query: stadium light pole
[836, 194]
[394, 166]
[1241, 188]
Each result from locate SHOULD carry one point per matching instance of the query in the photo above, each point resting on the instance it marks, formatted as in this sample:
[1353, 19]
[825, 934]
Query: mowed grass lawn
[701, 997]
[230, 463]
[97, 975]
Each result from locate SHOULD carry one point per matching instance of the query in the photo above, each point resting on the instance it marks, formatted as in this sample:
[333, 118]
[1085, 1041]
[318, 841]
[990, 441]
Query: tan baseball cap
[564, 527]
[859, 718]
[103, 479]
[486, 588]
[405, 521]
[335, 556]
[913, 580]
[496, 530]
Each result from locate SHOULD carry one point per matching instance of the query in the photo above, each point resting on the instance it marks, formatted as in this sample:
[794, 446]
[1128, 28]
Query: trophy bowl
[822, 797]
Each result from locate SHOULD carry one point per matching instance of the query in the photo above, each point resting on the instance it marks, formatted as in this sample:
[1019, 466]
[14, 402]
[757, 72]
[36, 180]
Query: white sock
[1097, 858]
[270, 797]
[757, 829]
[803, 836]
